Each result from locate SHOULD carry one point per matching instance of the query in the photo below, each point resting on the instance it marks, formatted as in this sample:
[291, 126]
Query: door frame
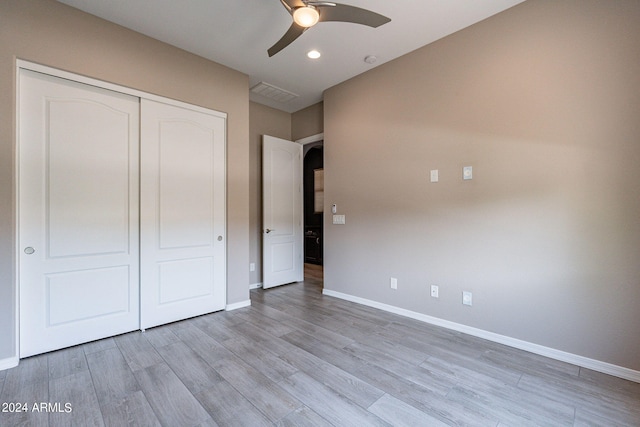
[309, 139]
[296, 238]
[302, 141]
[55, 72]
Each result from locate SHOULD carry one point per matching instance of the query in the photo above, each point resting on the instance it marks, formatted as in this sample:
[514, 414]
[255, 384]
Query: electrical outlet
[252, 266]
[467, 172]
[434, 291]
[467, 298]
[393, 282]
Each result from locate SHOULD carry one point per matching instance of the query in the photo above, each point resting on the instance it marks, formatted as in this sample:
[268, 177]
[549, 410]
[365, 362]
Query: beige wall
[543, 100]
[308, 121]
[53, 34]
[262, 121]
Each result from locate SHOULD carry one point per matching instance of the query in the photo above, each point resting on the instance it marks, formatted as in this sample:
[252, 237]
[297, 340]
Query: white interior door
[78, 213]
[282, 212]
[183, 236]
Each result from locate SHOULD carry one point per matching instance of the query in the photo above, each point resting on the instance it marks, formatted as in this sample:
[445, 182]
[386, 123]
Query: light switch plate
[434, 175]
[339, 219]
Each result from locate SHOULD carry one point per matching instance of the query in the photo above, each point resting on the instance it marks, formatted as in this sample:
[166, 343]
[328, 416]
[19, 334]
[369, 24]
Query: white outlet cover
[434, 291]
[467, 172]
[434, 175]
[467, 298]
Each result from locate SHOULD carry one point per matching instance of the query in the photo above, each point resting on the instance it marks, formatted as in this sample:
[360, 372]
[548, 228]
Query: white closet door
[78, 213]
[183, 236]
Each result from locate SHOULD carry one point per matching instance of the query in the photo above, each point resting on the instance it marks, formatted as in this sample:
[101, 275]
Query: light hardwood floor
[298, 358]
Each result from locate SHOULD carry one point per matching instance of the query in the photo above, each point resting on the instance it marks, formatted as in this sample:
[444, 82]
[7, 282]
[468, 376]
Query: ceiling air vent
[273, 92]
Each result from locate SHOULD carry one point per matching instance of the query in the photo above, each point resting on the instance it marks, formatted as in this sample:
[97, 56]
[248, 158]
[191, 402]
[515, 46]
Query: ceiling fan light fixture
[306, 16]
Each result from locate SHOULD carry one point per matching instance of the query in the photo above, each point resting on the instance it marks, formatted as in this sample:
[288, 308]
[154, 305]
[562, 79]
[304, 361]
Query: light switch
[434, 175]
[467, 172]
[339, 219]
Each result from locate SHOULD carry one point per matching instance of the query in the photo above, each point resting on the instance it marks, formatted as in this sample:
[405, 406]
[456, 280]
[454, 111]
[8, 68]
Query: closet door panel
[183, 242]
[185, 174]
[78, 213]
[87, 177]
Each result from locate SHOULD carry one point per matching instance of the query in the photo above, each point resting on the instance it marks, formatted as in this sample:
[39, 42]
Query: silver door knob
[269, 230]
[219, 238]
[29, 250]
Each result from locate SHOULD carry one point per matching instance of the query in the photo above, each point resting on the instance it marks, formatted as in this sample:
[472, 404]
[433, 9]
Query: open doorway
[313, 176]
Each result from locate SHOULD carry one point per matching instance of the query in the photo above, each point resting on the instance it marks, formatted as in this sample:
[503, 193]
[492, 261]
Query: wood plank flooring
[299, 358]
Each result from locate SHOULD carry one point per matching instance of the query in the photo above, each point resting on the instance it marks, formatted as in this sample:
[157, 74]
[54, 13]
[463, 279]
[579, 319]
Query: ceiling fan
[307, 13]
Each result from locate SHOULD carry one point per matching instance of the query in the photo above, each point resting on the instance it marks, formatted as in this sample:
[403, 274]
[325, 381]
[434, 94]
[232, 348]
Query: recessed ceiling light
[313, 54]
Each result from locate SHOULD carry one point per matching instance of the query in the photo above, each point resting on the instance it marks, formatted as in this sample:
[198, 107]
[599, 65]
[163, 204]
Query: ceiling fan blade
[356, 15]
[292, 33]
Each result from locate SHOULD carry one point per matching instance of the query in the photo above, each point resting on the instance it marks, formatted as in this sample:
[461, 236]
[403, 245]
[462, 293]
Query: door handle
[29, 250]
[269, 230]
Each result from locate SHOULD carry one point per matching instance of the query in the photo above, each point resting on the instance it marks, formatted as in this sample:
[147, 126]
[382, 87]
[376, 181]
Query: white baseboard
[8, 363]
[255, 285]
[585, 362]
[238, 305]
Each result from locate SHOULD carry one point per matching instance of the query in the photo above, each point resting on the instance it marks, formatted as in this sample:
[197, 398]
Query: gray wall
[53, 34]
[543, 100]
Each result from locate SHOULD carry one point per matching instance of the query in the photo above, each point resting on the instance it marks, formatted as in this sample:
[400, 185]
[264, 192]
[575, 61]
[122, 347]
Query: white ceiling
[238, 33]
